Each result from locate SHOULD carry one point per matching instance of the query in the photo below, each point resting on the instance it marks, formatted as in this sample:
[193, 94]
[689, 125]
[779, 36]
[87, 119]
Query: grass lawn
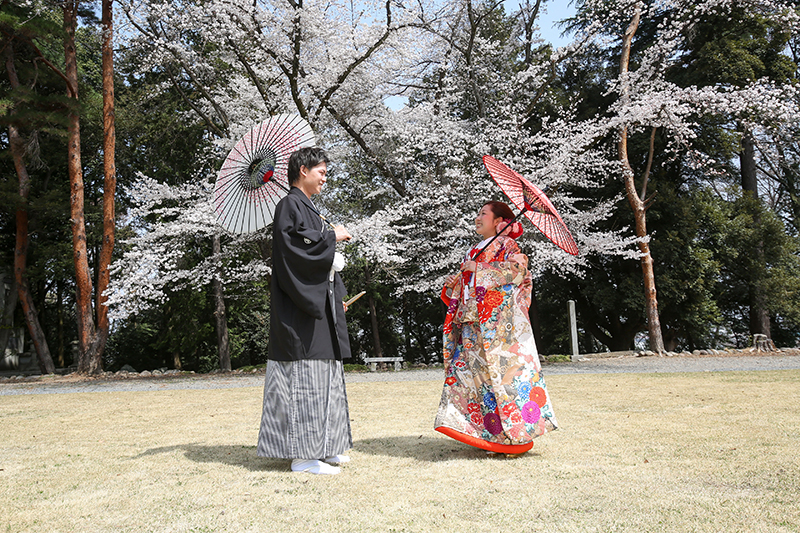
[715, 452]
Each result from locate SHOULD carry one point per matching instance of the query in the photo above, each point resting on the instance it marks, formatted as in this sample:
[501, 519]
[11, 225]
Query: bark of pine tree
[109, 180]
[17, 148]
[89, 358]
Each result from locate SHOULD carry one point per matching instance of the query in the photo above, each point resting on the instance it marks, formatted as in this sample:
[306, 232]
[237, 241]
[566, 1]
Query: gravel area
[588, 365]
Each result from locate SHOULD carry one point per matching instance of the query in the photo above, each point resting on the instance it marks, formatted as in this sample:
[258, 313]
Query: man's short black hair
[304, 157]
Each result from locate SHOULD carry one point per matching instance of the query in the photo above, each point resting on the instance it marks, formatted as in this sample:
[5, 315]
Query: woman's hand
[450, 280]
[469, 266]
[520, 259]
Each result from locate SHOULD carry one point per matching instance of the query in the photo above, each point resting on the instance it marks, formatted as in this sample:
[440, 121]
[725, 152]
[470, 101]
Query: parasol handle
[349, 302]
[501, 231]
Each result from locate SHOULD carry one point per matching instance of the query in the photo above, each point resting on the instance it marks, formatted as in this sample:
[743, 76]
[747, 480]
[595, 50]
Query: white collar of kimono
[478, 246]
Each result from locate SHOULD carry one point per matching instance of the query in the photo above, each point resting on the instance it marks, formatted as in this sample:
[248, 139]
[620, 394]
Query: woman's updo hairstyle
[500, 209]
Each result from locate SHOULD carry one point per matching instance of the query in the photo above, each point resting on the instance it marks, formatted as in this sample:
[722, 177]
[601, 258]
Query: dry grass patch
[636, 452]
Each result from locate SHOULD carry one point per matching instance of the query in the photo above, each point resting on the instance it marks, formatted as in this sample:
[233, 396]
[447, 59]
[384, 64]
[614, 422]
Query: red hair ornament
[514, 230]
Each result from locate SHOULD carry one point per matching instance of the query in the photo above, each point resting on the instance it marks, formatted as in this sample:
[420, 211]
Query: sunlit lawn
[635, 452]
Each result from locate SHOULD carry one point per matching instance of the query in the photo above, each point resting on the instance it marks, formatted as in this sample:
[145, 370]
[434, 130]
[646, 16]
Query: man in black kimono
[305, 416]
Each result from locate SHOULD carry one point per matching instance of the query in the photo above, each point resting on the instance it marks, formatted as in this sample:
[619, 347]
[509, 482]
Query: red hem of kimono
[482, 444]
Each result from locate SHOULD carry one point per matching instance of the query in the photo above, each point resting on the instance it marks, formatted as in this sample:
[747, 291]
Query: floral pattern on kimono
[494, 390]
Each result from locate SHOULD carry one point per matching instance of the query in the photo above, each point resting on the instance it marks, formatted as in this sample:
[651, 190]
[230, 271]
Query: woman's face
[485, 222]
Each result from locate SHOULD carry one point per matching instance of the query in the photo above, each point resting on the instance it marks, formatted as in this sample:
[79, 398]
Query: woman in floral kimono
[494, 394]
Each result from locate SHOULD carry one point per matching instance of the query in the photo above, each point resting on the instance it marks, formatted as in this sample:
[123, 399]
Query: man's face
[311, 180]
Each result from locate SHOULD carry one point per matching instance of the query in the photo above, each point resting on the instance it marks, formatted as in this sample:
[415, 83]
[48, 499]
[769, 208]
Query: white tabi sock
[313, 466]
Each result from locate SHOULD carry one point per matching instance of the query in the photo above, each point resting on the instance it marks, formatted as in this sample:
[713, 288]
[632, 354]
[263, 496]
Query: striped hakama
[305, 414]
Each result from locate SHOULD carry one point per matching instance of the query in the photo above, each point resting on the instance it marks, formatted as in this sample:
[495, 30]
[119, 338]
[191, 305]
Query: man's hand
[341, 233]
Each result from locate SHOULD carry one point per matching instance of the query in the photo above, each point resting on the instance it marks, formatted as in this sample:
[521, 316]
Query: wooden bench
[373, 362]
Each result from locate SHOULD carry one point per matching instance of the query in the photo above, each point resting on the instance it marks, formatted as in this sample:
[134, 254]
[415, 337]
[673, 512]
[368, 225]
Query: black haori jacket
[307, 318]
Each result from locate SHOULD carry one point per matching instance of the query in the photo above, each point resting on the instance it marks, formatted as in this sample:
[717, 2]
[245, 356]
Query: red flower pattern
[493, 298]
[539, 396]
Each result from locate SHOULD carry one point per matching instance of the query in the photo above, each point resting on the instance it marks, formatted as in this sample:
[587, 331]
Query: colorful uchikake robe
[494, 393]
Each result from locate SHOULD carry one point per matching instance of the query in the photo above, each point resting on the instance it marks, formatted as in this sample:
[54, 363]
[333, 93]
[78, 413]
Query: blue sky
[555, 10]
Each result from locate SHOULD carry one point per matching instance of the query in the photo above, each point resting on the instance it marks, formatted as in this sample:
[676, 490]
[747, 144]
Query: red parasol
[253, 177]
[533, 202]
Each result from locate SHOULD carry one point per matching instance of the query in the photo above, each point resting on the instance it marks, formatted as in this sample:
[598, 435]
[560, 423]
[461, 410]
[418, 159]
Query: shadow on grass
[232, 455]
[422, 448]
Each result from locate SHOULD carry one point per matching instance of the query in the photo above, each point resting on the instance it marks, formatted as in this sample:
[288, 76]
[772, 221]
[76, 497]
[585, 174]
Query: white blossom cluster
[172, 223]
[336, 67]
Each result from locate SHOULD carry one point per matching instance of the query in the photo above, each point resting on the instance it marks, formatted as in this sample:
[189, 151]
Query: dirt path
[596, 364]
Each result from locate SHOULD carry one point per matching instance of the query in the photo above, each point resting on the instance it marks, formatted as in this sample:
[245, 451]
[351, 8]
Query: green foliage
[248, 323]
[160, 337]
[686, 269]
[33, 43]
[754, 251]
[359, 319]
[734, 49]
[349, 367]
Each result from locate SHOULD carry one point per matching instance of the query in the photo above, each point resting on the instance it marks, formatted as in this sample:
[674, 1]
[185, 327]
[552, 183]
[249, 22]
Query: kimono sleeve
[303, 251]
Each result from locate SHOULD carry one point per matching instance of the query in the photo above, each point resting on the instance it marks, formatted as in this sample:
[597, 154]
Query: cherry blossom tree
[238, 62]
[480, 97]
[477, 82]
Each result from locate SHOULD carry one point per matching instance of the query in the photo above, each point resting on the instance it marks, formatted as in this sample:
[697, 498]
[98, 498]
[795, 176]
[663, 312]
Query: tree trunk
[20, 259]
[61, 350]
[89, 360]
[747, 160]
[637, 203]
[474, 23]
[17, 146]
[407, 329]
[376, 339]
[529, 16]
[220, 319]
[109, 181]
[9, 306]
[759, 316]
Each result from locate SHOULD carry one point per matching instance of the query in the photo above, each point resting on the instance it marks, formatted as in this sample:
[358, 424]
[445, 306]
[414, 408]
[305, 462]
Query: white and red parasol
[253, 178]
[533, 203]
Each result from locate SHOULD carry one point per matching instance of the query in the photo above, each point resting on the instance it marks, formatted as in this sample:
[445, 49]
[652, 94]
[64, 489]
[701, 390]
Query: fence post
[573, 327]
